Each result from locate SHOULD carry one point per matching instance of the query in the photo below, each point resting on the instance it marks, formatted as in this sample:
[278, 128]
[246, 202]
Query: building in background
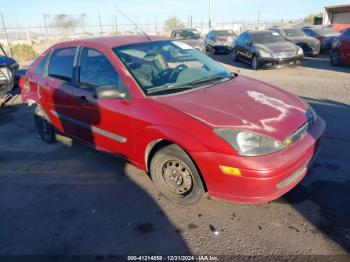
[337, 16]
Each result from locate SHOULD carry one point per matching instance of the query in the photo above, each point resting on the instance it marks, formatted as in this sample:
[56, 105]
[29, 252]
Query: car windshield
[325, 31]
[293, 32]
[267, 38]
[170, 66]
[186, 34]
[225, 33]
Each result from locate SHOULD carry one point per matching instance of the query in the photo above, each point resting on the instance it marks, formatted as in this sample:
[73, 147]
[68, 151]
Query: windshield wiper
[211, 79]
[167, 88]
[189, 85]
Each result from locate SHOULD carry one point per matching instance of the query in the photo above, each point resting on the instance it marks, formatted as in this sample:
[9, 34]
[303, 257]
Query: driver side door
[103, 123]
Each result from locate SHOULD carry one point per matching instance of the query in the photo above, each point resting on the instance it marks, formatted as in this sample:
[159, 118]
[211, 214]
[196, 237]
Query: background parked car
[260, 48]
[310, 45]
[8, 67]
[220, 41]
[326, 35]
[340, 53]
[189, 36]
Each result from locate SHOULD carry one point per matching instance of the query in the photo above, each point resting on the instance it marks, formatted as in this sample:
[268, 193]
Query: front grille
[286, 54]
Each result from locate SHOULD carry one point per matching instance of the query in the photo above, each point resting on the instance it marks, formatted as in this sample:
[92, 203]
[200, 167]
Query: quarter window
[96, 70]
[61, 63]
[41, 67]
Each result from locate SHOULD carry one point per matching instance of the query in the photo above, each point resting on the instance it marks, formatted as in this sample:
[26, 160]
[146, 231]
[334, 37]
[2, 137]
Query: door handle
[83, 100]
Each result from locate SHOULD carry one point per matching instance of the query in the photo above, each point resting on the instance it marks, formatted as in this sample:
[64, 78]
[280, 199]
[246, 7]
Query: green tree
[23, 52]
[172, 23]
[65, 23]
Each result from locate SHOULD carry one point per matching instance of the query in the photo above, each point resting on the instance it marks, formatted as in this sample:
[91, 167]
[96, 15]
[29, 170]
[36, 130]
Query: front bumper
[280, 62]
[263, 178]
[223, 48]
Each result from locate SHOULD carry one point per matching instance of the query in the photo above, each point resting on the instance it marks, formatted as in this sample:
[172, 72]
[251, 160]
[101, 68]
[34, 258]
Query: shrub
[23, 52]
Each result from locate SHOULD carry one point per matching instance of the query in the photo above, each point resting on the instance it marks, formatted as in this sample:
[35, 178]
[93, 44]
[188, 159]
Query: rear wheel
[255, 63]
[44, 128]
[176, 176]
[335, 58]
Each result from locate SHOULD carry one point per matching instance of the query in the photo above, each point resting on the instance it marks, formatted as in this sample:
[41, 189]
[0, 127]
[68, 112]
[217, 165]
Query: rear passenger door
[56, 90]
[102, 123]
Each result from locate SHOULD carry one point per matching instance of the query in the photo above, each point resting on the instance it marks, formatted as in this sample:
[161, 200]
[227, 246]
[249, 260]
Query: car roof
[185, 29]
[259, 31]
[112, 41]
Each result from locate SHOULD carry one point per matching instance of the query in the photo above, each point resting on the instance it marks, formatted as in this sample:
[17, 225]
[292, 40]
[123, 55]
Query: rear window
[61, 63]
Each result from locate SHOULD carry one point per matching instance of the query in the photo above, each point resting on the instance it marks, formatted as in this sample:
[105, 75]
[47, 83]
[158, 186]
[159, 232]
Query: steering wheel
[176, 71]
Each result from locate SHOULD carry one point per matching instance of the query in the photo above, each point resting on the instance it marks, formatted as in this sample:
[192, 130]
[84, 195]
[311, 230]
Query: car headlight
[248, 143]
[264, 53]
[300, 51]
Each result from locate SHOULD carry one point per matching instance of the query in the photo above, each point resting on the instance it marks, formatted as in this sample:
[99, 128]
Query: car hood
[192, 42]
[278, 47]
[303, 39]
[242, 103]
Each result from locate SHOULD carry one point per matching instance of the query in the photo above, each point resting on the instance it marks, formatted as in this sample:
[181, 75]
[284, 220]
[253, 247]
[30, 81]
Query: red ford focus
[177, 114]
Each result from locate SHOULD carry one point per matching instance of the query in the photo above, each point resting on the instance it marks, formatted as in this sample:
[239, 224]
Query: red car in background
[177, 114]
[340, 54]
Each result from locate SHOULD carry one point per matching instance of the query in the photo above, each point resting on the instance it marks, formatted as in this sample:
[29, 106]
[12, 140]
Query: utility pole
[45, 16]
[155, 25]
[99, 18]
[191, 21]
[7, 36]
[115, 24]
[259, 20]
[209, 14]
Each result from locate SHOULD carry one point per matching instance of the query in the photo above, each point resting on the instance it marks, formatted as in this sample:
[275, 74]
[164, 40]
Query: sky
[31, 11]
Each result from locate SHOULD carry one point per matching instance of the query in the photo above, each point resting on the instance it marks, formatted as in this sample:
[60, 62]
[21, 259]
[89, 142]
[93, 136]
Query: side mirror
[105, 92]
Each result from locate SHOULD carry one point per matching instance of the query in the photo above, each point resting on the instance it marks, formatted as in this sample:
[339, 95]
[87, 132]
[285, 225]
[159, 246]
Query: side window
[40, 69]
[96, 70]
[61, 63]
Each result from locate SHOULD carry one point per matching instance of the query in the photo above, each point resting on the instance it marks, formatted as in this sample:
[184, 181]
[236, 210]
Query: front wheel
[335, 58]
[234, 55]
[255, 63]
[176, 176]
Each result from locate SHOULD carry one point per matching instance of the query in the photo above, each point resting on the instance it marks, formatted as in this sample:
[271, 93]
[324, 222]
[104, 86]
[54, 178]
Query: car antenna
[138, 27]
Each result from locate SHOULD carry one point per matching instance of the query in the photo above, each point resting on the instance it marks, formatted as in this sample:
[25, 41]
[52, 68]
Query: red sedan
[177, 114]
[340, 54]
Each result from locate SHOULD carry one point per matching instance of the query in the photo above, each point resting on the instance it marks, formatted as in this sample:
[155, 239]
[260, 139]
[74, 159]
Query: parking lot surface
[61, 199]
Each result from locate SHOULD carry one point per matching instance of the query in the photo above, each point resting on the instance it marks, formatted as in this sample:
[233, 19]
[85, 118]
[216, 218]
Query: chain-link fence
[25, 39]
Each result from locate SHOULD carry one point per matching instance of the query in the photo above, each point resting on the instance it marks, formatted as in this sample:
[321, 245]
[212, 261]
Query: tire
[176, 176]
[234, 55]
[255, 63]
[44, 128]
[7, 80]
[335, 58]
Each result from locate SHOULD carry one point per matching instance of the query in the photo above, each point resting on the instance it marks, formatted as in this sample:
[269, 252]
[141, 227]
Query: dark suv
[326, 35]
[310, 45]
